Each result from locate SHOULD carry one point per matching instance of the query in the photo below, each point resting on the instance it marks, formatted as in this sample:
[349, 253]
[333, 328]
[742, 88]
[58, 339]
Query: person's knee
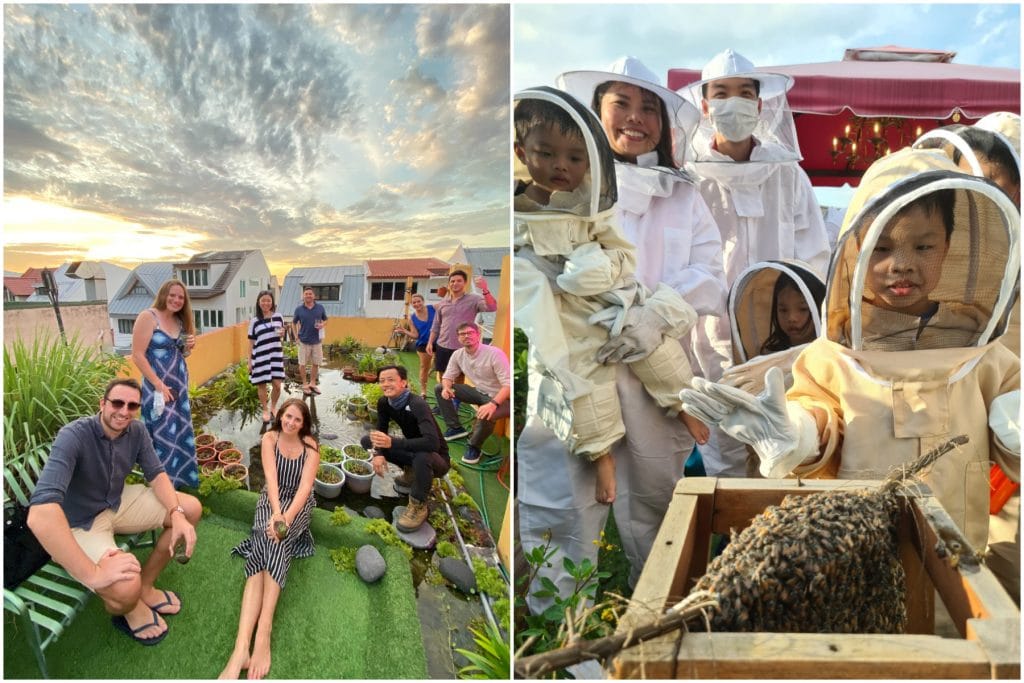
[122, 596]
[193, 508]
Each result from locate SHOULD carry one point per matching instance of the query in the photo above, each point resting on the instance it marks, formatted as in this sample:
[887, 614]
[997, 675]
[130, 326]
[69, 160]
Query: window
[125, 325]
[194, 277]
[389, 291]
[206, 319]
[196, 315]
[327, 292]
[139, 289]
[241, 288]
[490, 272]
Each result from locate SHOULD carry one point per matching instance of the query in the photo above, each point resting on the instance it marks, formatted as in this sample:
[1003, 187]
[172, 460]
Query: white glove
[642, 332]
[782, 433]
[548, 267]
[1004, 420]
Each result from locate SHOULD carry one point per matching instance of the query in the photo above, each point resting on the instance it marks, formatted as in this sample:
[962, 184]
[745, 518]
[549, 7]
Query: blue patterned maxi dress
[172, 433]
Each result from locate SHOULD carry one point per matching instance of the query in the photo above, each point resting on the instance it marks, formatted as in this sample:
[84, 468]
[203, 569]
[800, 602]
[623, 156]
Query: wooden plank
[703, 488]
[1000, 639]
[802, 655]
[662, 581]
[919, 586]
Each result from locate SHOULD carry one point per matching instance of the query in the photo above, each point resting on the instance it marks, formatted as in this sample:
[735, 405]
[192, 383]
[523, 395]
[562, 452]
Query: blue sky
[323, 134]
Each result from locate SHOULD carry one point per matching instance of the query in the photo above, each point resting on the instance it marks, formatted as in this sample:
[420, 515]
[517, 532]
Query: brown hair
[188, 323]
[306, 430]
[122, 382]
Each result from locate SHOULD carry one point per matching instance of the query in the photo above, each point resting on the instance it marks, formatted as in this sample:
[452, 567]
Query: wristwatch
[176, 508]
[495, 403]
[486, 292]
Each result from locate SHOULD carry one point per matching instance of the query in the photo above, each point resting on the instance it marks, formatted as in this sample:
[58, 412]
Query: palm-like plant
[491, 659]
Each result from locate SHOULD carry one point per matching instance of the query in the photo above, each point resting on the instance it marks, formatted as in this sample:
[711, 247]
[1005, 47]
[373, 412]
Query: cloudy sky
[321, 134]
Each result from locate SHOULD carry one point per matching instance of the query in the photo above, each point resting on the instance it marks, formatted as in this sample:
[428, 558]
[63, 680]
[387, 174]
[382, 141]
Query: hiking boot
[413, 517]
[404, 482]
[471, 456]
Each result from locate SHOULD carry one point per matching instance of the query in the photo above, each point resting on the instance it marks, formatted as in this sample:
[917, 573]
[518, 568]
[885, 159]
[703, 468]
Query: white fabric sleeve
[587, 271]
[1004, 420]
[811, 238]
[701, 281]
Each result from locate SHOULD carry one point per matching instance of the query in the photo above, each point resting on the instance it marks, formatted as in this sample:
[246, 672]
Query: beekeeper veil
[772, 127]
[978, 151]
[753, 301]
[927, 258]
[677, 117]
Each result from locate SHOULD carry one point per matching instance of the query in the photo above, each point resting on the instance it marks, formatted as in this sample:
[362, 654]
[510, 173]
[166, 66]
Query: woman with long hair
[290, 457]
[266, 353]
[422, 318]
[161, 339]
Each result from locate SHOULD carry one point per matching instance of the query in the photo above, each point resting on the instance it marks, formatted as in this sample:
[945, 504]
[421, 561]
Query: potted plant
[236, 471]
[205, 440]
[329, 480]
[356, 452]
[223, 445]
[206, 454]
[229, 456]
[331, 455]
[208, 468]
[358, 475]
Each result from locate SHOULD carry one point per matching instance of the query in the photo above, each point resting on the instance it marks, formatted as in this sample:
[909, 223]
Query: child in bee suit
[574, 283]
[918, 291]
[774, 312]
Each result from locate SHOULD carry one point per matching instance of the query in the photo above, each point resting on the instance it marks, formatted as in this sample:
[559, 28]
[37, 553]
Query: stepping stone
[373, 512]
[328, 437]
[458, 573]
[423, 538]
[370, 564]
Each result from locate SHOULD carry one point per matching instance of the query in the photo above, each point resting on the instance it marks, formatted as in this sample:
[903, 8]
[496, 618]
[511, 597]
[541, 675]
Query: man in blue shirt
[81, 501]
[308, 320]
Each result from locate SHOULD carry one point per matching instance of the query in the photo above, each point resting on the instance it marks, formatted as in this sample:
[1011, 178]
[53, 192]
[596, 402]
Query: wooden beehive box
[987, 619]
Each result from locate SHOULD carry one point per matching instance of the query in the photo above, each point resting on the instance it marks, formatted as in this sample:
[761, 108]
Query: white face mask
[734, 118]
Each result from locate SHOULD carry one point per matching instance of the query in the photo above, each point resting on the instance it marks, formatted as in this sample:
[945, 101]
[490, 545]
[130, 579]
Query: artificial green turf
[327, 625]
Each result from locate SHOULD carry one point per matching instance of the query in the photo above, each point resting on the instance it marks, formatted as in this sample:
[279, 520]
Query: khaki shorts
[140, 510]
[311, 354]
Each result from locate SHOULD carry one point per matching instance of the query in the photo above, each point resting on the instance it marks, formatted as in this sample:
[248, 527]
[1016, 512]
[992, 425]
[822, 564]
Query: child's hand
[605, 490]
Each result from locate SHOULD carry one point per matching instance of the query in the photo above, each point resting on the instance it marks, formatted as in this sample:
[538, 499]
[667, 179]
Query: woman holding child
[280, 532]
[677, 244]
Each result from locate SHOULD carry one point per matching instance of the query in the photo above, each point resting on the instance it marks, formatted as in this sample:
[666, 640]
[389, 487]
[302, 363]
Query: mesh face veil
[928, 258]
[753, 305]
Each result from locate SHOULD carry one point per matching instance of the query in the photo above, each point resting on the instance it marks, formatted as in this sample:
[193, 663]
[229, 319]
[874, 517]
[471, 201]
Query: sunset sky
[321, 134]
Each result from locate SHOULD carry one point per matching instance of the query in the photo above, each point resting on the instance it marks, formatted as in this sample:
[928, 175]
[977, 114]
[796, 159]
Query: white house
[84, 281]
[222, 287]
[386, 280]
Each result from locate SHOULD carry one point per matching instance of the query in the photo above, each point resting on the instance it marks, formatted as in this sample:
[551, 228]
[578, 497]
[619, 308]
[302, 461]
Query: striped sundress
[267, 354]
[260, 552]
[173, 438]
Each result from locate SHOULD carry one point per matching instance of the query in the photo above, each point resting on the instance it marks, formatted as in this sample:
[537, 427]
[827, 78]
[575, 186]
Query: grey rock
[370, 564]
[423, 538]
[458, 573]
[373, 512]
[328, 436]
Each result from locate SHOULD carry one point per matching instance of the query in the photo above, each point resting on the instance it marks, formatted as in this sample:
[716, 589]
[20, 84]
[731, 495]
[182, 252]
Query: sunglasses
[119, 404]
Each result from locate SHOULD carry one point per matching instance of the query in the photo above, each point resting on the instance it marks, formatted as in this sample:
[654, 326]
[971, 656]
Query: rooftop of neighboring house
[146, 277]
[348, 279]
[72, 286]
[233, 260]
[486, 261]
[377, 269]
[20, 286]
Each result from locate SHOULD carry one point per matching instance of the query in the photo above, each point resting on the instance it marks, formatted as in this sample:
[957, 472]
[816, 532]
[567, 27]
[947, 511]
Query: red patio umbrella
[880, 99]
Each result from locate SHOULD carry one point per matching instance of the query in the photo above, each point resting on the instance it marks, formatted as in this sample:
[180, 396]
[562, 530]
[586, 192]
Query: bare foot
[605, 492]
[164, 602]
[259, 663]
[698, 430]
[239, 660]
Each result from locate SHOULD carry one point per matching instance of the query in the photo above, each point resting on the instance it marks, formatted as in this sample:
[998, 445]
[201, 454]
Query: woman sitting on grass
[290, 458]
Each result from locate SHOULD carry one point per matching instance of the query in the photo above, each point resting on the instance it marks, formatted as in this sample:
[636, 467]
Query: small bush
[489, 580]
[446, 549]
[344, 559]
[340, 517]
[383, 529]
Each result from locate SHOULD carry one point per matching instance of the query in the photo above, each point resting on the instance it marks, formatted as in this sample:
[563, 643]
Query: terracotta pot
[223, 445]
[236, 471]
[205, 454]
[210, 467]
[205, 440]
[229, 456]
[369, 376]
[348, 371]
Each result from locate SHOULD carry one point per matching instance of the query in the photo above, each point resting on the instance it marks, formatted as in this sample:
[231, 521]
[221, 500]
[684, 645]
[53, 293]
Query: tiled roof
[406, 267]
[34, 274]
[20, 286]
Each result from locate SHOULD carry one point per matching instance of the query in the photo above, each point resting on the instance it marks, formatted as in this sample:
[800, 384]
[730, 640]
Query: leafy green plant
[356, 451]
[328, 475]
[215, 482]
[464, 499]
[372, 393]
[238, 393]
[340, 517]
[489, 579]
[383, 529]
[501, 609]
[520, 378]
[290, 350]
[330, 454]
[48, 384]
[350, 345]
[344, 559]
[446, 549]
[492, 657]
[456, 479]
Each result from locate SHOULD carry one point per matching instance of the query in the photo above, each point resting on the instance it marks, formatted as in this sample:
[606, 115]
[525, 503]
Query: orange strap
[1001, 488]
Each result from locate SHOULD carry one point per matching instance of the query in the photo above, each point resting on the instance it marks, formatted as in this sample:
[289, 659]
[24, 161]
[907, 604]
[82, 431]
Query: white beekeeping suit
[883, 386]
[575, 291]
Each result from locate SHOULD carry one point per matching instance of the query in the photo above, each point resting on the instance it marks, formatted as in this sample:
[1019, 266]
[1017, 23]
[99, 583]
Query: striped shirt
[267, 356]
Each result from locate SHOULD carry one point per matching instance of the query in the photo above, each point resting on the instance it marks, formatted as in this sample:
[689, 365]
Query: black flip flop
[121, 624]
[167, 603]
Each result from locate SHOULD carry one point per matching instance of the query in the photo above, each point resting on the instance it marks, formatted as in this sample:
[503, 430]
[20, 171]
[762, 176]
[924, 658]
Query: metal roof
[351, 279]
[149, 275]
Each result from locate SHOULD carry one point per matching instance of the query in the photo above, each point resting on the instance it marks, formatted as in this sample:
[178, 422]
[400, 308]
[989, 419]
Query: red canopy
[885, 97]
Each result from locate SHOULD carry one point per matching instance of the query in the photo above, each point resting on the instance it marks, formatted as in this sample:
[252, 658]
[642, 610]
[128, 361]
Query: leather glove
[642, 331]
[1004, 420]
[782, 433]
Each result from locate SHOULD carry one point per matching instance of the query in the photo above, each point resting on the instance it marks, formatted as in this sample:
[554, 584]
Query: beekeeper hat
[682, 115]
[731, 64]
[1004, 123]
